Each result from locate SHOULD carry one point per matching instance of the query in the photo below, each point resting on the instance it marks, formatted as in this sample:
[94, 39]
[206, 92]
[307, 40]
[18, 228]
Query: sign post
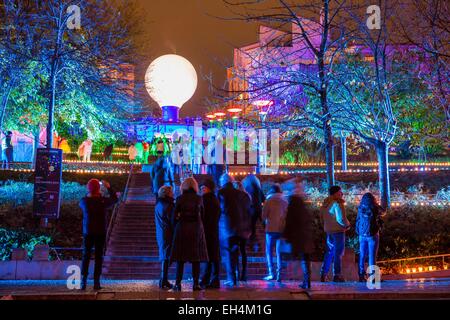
[47, 184]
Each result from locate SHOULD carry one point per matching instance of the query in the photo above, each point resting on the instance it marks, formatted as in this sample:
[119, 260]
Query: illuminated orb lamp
[171, 81]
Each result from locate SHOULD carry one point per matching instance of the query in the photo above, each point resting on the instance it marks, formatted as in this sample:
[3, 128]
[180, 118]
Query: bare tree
[292, 66]
[373, 79]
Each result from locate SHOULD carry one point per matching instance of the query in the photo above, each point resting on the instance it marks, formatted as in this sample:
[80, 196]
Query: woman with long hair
[368, 225]
[189, 242]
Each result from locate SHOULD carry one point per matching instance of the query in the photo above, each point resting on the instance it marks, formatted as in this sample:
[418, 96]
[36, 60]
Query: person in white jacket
[274, 216]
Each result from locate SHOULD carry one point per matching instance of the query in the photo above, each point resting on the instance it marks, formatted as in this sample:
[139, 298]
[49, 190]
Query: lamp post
[263, 110]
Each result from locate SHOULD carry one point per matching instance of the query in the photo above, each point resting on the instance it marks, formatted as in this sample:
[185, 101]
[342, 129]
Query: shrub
[10, 239]
[16, 194]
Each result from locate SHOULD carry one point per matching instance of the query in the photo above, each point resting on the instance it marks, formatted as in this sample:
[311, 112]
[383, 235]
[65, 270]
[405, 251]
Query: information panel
[47, 183]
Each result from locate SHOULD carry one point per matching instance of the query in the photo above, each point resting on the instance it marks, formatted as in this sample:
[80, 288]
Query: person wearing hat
[7, 150]
[335, 224]
[95, 211]
[211, 277]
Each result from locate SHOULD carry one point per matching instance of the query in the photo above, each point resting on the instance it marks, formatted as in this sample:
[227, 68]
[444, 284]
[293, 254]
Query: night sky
[184, 27]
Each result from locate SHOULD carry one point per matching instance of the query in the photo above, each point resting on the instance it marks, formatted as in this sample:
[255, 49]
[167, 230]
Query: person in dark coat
[107, 153]
[189, 243]
[162, 174]
[211, 277]
[253, 187]
[163, 219]
[235, 207]
[95, 211]
[299, 232]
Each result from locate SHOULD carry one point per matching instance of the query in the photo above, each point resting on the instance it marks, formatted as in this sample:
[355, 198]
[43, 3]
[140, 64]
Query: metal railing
[402, 264]
[123, 199]
[417, 258]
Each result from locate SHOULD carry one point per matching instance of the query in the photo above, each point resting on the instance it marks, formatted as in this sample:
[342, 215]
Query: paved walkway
[252, 290]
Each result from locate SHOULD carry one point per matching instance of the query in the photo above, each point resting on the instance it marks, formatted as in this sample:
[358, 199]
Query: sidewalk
[252, 290]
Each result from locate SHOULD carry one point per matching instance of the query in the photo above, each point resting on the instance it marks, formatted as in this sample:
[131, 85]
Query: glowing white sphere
[171, 80]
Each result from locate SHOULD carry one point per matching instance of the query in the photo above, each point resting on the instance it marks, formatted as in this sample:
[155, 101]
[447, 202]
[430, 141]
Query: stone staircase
[132, 252]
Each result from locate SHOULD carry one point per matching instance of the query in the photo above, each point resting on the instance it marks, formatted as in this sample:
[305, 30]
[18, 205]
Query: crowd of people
[207, 223]
[204, 222]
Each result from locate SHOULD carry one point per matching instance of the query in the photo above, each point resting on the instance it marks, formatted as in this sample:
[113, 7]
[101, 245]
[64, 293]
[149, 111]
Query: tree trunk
[329, 156]
[383, 174]
[344, 153]
[35, 146]
[328, 139]
[51, 107]
[323, 91]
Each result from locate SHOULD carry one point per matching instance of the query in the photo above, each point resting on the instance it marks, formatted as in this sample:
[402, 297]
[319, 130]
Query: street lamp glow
[171, 81]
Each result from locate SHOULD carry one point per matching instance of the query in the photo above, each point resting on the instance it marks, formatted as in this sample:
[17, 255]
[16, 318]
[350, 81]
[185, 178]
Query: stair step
[134, 247]
[142, 230]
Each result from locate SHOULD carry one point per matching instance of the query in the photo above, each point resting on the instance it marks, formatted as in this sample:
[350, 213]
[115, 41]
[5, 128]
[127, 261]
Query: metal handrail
[123, 199]
[416, 258]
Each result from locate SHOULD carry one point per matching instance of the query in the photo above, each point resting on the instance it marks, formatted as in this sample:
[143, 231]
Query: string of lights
[289, 172]
[80, 171]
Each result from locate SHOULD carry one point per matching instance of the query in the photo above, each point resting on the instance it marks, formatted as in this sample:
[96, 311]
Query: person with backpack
[335, 224]
[368, 225]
